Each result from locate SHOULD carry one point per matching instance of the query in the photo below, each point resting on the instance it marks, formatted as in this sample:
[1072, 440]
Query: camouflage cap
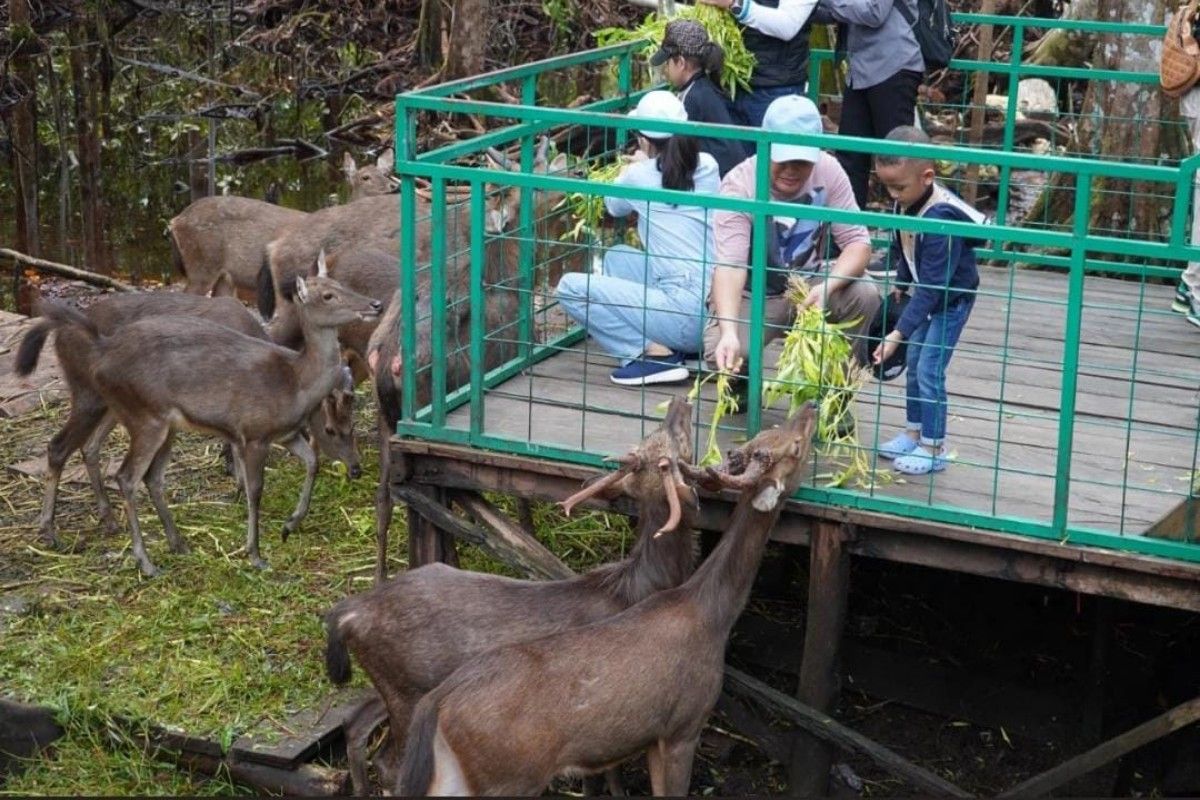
[683, 37]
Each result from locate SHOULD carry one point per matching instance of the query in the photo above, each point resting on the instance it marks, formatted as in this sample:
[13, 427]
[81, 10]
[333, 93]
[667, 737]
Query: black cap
[683, 37]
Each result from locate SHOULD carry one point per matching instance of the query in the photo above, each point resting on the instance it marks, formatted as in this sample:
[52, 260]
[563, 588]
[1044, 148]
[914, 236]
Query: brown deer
[389, 631]
[229, 233]
[161, 374]
[645, 680]
[329, 427]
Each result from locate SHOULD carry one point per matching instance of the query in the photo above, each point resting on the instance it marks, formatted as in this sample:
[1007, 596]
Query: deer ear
[301, 295]
[559, 164]
[348, 165]
[386, 160]
[322, 270]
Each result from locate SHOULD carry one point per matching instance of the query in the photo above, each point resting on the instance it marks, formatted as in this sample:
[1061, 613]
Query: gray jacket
[880, 40]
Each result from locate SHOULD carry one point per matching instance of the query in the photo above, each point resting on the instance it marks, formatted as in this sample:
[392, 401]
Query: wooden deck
[1134, 451]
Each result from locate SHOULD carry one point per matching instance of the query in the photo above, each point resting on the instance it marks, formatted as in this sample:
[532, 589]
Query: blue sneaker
[1183, 299]
[646, 370]
[901, 445]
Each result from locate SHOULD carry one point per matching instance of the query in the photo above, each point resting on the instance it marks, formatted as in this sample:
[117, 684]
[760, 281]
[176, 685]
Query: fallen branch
[176, 72]
[67, 271]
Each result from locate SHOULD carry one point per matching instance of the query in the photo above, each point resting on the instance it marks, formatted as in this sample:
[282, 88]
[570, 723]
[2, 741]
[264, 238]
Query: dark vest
[780, 63]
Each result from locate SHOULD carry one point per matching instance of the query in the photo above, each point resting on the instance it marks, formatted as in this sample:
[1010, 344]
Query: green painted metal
[1087, 252]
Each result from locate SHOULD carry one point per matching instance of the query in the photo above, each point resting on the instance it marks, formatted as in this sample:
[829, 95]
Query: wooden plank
[301, 734]
[830, 730]
[514, 536]
[1178, 717]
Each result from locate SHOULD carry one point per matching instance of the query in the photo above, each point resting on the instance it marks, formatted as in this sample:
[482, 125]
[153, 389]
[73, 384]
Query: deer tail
[266, 287]
[337, 657]
[416, 770]
[58, 315]
[31, 348]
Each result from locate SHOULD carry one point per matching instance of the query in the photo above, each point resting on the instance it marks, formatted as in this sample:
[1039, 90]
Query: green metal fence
[1078, 390]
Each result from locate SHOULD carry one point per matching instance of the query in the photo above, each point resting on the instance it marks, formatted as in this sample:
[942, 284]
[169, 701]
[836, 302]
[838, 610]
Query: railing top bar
[1091, 26]
[526, 70]
[967, 155]
[994, 233]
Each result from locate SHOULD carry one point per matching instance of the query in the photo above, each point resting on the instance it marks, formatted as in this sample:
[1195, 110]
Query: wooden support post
[1178, 717]
[828, 588]
[1092, 726]
[827, 729]
[427, 542]
[979, 100]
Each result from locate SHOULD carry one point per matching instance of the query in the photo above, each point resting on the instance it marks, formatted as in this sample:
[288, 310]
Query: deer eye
[328, 296]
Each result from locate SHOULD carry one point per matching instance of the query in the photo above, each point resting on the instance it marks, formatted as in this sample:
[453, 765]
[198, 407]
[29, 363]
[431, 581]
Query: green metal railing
[1077, 251]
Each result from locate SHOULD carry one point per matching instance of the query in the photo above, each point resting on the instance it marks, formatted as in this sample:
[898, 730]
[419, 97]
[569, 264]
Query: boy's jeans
[928, 354]
[750, 106]
[638, 299]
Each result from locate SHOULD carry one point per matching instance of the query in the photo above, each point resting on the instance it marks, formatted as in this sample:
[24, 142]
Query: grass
[214, 647]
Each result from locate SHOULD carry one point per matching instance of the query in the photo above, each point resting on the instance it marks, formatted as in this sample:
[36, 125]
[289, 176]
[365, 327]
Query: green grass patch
[213, 647]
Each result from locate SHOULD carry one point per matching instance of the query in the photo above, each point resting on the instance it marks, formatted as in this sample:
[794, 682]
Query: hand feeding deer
[162, 374]
[229, 233]
[406, 653]
[329, 426]
[512, 719]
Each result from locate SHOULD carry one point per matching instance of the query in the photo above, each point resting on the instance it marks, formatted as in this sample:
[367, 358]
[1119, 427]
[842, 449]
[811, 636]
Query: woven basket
[1180, 67]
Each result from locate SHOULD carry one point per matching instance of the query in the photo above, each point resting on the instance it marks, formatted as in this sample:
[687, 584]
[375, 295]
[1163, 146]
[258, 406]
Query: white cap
[793, 113]
[661, 105]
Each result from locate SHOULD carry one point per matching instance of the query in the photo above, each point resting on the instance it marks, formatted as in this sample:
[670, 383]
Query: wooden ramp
[45, 385]
[1133, 456]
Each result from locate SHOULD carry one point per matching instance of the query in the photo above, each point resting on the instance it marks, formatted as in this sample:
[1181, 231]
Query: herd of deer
[491, 685]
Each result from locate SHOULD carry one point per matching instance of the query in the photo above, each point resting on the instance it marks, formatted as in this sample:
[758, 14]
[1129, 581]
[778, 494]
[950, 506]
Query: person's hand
[897, 295]
[887, 347]
[815, 298]
[727, 355]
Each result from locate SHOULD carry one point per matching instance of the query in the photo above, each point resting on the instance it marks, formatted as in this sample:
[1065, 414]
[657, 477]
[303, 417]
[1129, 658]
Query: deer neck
[721, 586]
[317, 364]
[654, 564]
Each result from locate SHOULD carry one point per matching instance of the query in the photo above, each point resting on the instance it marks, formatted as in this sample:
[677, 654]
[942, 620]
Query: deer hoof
[148, 569]
[258, 562]
[181, 548]
[110, 526]
[289, 528]
[49, 538]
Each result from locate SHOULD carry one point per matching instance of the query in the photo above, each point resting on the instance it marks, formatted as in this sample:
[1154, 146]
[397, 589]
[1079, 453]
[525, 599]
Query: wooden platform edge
[1090, 570]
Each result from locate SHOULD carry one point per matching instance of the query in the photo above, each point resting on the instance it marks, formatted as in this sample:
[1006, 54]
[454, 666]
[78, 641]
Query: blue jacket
[944, 271]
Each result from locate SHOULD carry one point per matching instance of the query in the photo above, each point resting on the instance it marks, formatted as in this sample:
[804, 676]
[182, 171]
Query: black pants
[873, 113]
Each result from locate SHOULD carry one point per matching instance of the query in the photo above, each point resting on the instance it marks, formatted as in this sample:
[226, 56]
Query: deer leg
[254, 458]
[301, 449]
[674, 771]
[383, 504]
[154, 484]
[81, 422]
[145, 442]
[91, 462]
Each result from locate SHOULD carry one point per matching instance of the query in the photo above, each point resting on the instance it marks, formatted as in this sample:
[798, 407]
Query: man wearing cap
[804, 175]
[776, 32]
[692, 64]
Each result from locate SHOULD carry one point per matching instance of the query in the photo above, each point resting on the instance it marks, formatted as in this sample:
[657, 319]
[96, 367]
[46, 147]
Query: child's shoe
[921, 462]
[901, 445]
[1183, 299]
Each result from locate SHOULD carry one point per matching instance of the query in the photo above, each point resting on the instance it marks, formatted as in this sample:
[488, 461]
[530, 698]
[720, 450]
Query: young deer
[229, 233]
[406, 652]
[162, 374]
[646, 679]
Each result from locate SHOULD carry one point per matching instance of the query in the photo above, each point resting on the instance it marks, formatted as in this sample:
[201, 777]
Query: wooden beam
[1178, 717]
[523, 545]
[820, 681]
[67, 271]
[830, 730]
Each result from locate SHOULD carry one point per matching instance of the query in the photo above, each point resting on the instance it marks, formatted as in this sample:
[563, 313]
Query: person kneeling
[647, 308]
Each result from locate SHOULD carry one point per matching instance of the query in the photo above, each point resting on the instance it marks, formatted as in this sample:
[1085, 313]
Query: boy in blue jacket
[942, 274]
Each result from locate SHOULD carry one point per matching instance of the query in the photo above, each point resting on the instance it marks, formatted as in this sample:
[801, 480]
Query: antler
[706, 477]
[501, 159]
[542, 151]
[671, 489]
[628, 462]
[714, 480]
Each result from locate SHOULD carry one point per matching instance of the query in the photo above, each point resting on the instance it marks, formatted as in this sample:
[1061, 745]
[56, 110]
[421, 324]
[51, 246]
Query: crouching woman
[647, 307]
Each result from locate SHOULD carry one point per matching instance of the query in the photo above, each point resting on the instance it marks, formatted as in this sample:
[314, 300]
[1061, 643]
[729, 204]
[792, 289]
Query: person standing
[885, 69]
[776, 32]
[1187, 293]
[692, 64]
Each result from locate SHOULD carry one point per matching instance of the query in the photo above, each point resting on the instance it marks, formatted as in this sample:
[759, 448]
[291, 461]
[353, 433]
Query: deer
[388, 631]
[330, 427]
[163, 374]
[230, 233]
[645, 680]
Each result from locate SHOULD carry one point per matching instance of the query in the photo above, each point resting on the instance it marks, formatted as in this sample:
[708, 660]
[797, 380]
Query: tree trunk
[429, 34]
[24, 126]
[468, 39]
[1108, 126]
[87, 107]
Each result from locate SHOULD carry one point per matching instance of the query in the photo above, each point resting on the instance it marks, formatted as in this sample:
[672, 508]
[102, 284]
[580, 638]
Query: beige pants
[1189, 108]
[859, 299]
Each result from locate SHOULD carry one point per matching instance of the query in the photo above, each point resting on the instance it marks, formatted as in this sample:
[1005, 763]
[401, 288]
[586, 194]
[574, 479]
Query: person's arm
[783, 22]
[621, 206]
[870, 13]
[731, 237]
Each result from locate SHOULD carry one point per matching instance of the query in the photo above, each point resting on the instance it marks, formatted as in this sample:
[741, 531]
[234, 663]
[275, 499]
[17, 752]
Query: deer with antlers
[406, 651]
[645, 680]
